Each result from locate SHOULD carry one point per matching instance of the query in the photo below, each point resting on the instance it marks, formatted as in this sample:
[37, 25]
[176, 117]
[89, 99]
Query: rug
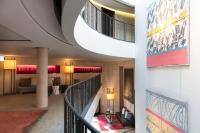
[104, 125]
[18, 121]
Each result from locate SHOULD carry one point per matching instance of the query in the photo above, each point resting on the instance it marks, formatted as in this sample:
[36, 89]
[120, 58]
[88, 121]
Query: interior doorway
[127, 90]
[108, 22]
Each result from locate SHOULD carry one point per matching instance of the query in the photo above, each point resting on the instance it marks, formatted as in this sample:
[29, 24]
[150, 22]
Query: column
[42, 78]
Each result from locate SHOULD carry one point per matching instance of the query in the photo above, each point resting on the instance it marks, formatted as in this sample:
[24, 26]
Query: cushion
[25, 82]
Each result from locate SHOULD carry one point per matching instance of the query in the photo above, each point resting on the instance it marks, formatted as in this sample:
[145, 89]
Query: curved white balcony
[96, 42]
[90, 39]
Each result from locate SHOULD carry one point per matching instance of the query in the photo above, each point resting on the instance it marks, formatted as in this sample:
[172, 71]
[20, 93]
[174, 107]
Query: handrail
[115, 28]
[73, 121]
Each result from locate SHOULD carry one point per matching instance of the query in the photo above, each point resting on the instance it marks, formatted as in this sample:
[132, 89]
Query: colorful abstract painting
[168, 33]
[165, 115]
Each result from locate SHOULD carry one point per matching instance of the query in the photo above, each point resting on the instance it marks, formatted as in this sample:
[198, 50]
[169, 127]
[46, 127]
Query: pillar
[42, 78]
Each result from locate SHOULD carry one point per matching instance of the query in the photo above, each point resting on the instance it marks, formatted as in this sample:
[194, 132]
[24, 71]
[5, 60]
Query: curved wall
[96, 42]
[78, 33]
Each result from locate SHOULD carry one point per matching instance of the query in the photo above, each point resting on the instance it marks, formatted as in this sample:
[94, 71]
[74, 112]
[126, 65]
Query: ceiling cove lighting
[32, 69]
[82, 69]
[122, 13]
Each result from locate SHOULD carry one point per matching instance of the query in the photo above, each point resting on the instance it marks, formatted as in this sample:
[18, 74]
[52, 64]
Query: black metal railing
[108, 25]
[77, 97]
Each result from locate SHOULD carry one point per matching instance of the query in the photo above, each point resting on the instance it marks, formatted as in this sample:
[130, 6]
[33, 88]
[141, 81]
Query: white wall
[180, 82]
[110, 79]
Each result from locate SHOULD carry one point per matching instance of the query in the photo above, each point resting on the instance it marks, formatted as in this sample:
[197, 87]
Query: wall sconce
[110, 98]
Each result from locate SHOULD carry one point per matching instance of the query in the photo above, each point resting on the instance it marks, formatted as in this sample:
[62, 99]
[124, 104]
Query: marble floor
[52, 121]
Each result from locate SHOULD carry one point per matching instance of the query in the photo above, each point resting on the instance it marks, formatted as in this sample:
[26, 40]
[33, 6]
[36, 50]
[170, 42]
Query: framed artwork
[129, 93]
[165, 115]
[168, 33]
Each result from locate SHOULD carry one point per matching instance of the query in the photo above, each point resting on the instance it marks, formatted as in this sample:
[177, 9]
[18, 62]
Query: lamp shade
[10, 64]
[69, 69]
[110, 96]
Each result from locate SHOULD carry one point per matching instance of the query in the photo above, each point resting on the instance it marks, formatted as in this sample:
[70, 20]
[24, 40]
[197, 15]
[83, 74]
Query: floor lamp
[110, 98]
[9, 64]
[69, 70]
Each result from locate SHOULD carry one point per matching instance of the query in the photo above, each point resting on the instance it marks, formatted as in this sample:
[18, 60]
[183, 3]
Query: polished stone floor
[51, 122]
[18, 102]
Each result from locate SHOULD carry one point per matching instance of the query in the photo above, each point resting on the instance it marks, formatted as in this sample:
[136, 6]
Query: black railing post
[65, 118]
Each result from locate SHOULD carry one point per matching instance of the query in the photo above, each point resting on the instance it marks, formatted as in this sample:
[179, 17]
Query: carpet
[18, 121]
[104, 125]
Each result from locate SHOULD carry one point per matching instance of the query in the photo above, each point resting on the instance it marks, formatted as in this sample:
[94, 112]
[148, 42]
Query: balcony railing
[77, 97]
[107, 25]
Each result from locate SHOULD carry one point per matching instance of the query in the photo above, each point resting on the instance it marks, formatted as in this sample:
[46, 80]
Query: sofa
[24, 85]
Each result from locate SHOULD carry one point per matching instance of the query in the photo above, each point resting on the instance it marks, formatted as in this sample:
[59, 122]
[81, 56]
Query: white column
[42, 78]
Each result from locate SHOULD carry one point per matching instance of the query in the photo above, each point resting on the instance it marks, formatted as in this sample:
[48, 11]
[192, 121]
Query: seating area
[99, 66]
[25, 85]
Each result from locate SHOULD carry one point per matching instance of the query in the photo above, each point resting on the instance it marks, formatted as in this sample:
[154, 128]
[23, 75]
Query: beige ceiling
[7, 34]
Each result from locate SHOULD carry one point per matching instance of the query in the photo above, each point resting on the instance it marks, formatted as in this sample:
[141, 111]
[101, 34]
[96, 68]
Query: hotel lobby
[99, 66]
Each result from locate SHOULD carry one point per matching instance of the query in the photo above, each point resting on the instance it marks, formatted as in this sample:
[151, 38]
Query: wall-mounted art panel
[165, 115]
[168, 33]
[32, 69]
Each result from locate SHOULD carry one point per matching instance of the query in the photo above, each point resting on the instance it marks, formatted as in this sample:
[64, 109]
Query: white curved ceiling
[6, 35]
[36, 21]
